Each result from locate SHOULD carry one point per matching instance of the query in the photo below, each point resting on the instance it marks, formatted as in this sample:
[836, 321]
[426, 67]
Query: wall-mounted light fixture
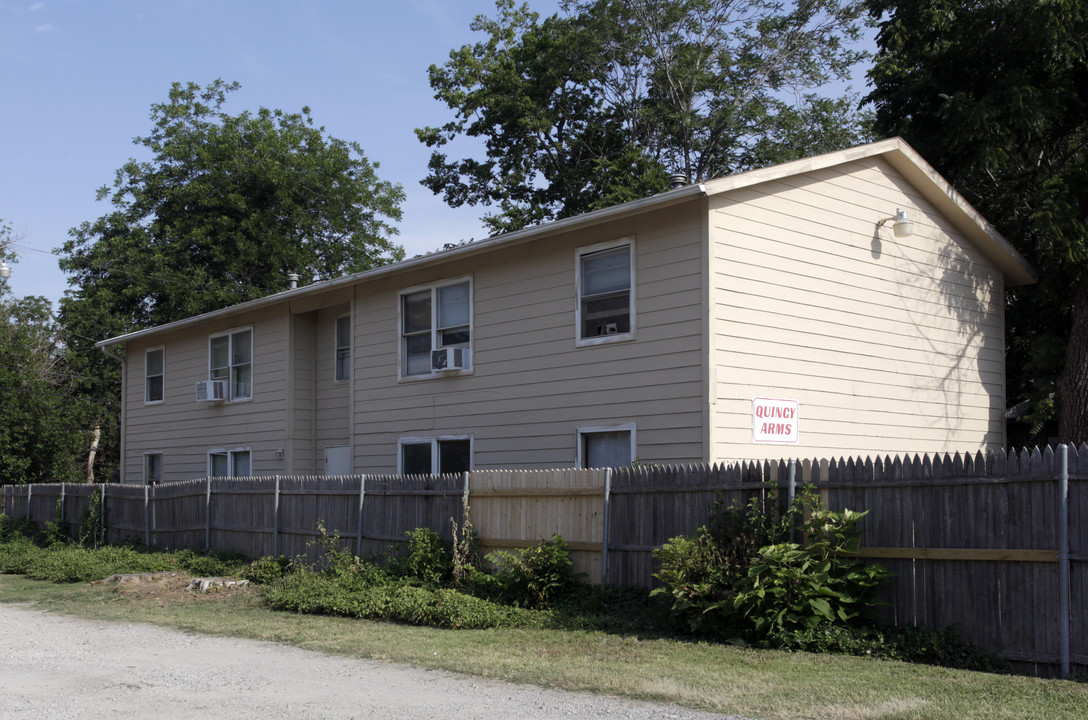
[902, 225]
[5, 271]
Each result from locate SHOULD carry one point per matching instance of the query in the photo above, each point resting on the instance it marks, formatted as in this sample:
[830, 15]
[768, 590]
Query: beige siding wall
[888, 344]
[531, 387]
[332, 396]
[302, 411]
[184, 430]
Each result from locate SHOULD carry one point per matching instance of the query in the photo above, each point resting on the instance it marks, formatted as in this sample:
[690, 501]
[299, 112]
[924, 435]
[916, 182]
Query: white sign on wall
[774, 421]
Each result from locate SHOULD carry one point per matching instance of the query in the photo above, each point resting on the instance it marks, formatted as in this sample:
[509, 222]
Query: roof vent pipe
[678, 180]
[292, 280]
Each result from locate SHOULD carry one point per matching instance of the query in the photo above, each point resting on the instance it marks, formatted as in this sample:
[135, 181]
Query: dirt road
[54, 667]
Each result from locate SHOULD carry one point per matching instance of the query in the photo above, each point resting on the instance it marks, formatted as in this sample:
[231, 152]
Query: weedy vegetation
[756, 575]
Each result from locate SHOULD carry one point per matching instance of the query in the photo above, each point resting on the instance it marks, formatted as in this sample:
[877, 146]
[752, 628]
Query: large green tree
[994, 93]
[600, 104]
[217, 211]
[44, 431]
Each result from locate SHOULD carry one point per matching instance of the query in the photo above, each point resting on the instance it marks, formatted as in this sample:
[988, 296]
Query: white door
[338, 460]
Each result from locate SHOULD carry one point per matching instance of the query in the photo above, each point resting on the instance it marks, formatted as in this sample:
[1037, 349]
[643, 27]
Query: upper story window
[154, 371]
[230, 358]
[434, 319]
[605, 277]
[343, 347]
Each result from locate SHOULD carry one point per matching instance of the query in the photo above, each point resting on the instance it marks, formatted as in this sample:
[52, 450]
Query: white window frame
[338, 348]
[402, 355]
[433, 442]
[147, 468]
[580, 459]
[147, 377]
[230, 334]
[230, 453]
[590, 250]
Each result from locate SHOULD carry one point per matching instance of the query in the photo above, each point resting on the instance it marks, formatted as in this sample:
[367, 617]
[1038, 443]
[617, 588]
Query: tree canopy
[220, 210]
[43, 430]
[995, 96]
[223, 209]
[600, 104]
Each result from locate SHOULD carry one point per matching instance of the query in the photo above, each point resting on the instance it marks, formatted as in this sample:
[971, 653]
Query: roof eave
[635, 207]
[938, 191]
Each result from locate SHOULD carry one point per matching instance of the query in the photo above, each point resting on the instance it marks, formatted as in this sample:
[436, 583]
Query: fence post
[1063, 557]
[604, 539]
[208, 515]
[276, 520]
[791, 493]
[63, 510]
[147, 517]
[29, 494]
[359, 524]
[102, 512]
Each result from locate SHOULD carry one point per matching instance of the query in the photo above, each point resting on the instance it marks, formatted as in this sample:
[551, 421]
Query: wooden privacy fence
[975, 541]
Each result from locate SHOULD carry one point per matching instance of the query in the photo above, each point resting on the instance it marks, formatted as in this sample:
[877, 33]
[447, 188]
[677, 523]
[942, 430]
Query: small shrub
[535, 575]
[794, 588]
[395, 600]
[17, 554]
[210, 563]
[57, 530]
[427, 558]
[746, 574]
[15, 528]
[266, 570]
[337, 561]
[92, 522]
[695, 574]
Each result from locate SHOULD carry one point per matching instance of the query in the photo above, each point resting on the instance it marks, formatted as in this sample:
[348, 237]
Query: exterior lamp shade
[5, 271]
[902, 225]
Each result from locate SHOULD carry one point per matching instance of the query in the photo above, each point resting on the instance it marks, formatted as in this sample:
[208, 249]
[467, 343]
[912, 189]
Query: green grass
[720, 678]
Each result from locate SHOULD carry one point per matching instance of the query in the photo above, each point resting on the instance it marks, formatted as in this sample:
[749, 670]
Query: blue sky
[78, 78]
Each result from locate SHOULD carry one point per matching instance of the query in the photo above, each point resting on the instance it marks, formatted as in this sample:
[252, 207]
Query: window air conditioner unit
[211, 391]
[453, 358]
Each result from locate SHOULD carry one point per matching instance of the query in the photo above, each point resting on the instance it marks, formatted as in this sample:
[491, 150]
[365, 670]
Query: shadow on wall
[961, 331]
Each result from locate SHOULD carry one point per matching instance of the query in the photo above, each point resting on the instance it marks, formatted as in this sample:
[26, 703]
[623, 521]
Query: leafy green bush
[427, 559]
[92, 522]
[72, 563]
[534, 575]
[746, 577]
[210, 563]
[19, 528]
[57, 530]
[694, 572]
[266, 570]
[382, 597]
[17, 554]
[790, 587]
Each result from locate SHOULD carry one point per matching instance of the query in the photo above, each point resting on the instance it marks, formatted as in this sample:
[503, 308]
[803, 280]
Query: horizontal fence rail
[995, 544]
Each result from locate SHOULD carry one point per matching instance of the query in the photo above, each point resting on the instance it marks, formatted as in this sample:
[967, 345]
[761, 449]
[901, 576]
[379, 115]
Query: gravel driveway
[53, 667]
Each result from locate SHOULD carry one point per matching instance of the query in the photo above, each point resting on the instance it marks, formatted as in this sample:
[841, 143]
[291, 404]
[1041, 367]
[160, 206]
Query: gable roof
[903, 158]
